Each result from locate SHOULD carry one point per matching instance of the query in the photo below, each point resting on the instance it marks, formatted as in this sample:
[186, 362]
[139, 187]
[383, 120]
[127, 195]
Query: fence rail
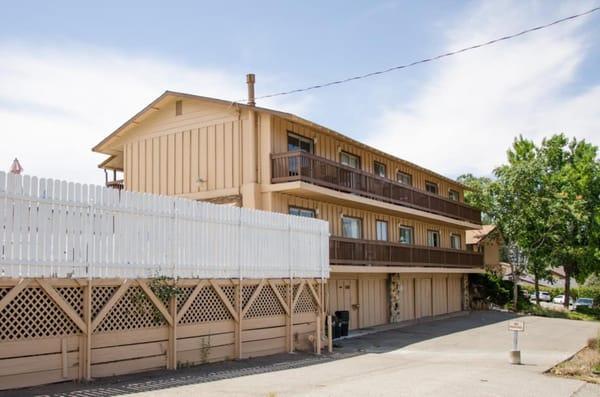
[52, 228]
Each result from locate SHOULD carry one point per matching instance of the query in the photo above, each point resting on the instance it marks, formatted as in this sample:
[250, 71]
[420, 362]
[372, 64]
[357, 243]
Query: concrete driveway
[461, 356]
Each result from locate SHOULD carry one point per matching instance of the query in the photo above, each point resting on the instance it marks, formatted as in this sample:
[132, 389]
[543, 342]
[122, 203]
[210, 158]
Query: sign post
[515, 326]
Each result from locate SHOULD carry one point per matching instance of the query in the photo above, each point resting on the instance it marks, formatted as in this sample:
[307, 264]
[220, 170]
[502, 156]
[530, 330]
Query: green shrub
[587, 292]
[492, 289]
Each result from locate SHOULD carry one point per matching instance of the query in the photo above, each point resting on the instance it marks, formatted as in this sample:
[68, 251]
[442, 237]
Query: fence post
[87, 317]
[172, 362]
[238, 325]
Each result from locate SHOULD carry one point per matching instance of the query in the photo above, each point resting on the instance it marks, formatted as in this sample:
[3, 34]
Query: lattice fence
[129, 318]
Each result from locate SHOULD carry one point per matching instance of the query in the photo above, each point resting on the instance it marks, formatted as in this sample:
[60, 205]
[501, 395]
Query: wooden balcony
[118, 184]
[301, 166]
[349, 251]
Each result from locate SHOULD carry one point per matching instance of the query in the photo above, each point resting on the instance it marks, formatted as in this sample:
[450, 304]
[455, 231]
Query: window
[453, 195]
[379, 169]
[351, 227]
[350, 160]
[455, 241]
[299, 143]
[431, 187]
[406, 235]
[382, 230]
[433, 238]
[305, 212]
[404, 178]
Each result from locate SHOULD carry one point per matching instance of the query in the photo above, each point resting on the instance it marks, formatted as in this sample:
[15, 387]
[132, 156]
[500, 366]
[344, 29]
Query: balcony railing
[349, 251]
[301, 166]
[118, 184]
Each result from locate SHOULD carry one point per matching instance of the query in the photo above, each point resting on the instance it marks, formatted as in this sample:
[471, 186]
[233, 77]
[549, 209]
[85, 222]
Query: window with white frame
[351, 227]
[382, 230]
[455, 241]
[433, 238]
[406, 235]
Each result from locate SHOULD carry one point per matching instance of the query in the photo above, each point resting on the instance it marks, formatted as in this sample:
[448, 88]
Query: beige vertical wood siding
[454, 293]
[406, 304]
[168, 154]
[373, 300]
[423, 297]
[329, 147]
[333, 213]
[440, 294]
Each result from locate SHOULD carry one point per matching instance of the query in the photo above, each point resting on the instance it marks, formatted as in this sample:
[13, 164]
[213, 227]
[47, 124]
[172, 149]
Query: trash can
[343, 318]
[336, 330]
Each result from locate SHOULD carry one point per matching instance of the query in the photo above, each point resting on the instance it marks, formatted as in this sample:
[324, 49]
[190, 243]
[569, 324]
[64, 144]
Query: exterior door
[343, 295]
[373, 309]
[406, 299]
[423, 297]
[454, 294]
[440, 295]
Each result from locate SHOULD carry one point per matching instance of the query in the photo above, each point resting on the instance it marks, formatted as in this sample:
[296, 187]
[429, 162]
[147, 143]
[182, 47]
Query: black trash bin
[343, 318]
[336, 330]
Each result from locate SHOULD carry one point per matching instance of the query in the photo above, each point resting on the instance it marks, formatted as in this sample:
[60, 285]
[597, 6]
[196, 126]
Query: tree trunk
[515, 278]
[567, 287]
[537, 289]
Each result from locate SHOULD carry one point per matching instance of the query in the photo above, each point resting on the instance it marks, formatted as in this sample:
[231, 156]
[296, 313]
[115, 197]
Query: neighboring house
[557, 274]
[397, 245]
[486, 241]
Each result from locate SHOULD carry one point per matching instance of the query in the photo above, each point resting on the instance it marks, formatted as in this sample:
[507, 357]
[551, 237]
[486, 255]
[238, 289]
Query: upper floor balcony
[302, 166]
[353, 252]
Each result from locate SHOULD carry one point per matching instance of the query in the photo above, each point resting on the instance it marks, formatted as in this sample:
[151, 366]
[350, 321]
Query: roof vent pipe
[250, 80]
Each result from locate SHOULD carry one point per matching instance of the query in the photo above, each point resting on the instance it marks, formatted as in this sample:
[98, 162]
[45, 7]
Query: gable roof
[104, 145]
[476, 236]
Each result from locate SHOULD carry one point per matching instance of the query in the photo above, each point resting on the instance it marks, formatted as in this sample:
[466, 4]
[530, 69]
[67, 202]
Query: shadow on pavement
[379, 342]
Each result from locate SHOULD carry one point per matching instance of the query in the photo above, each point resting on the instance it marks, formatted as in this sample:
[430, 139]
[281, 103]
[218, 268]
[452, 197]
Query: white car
[584, 302]
[560, 299]
[544, 296]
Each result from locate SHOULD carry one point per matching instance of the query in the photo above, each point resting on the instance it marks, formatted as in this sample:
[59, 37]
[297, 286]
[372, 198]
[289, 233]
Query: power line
[435, 58]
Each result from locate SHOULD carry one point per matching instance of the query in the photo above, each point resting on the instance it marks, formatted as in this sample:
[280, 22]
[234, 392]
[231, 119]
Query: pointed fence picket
[52, 228]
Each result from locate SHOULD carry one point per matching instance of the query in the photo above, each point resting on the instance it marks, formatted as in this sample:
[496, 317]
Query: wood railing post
[290, 292]
[173, 333]
[238, 325]
[85, 353]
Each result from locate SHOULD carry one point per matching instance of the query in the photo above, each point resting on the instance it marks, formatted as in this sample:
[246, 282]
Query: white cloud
[464, 117]
[57, 103]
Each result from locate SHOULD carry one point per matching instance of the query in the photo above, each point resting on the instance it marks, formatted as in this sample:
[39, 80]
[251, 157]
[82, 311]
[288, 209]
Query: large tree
[545, 201]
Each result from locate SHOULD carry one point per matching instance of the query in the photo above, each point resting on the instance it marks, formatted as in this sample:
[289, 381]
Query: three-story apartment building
[397, 245]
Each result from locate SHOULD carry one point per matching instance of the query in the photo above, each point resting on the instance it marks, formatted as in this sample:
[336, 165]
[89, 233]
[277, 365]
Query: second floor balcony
[302, 166]
[358, 252]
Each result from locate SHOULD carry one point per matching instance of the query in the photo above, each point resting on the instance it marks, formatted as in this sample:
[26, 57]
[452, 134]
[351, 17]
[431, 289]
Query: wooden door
[343, 296]
[440, 295]
[407, 299]
[373, 299]
[423, 297]
[454, 294]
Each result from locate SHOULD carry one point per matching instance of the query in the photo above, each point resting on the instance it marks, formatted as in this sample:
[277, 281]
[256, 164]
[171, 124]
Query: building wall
[329, 146]
[170, 154]
[414, 296]
[333, 213]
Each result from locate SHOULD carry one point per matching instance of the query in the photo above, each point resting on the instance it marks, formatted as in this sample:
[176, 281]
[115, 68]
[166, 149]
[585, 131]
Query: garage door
[373, 299]
[454, 294]
[423, 297]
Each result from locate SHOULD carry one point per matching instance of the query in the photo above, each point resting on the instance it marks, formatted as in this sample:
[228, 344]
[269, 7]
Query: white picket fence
[51, 228]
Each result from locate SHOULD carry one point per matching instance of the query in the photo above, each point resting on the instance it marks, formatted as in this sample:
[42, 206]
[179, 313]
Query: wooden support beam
[238, 324]
[173, 333]
[62, 304]
[279, 297]
[255, 294]
[314, 295]
[111, 302]
[157, 303]
[224, 299]
[300, 288]
[190, 300]
[14, 291]
[290, 319]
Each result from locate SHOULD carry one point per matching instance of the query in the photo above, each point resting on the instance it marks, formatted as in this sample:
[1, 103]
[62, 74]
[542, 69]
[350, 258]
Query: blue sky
[71, 72]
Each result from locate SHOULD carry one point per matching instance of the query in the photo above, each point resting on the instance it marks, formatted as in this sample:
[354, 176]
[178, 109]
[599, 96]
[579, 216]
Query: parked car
[560, 299]
[584, 302]
[544, 296]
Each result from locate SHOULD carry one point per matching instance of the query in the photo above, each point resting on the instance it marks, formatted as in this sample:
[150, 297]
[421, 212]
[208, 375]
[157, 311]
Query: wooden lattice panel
[306, 303]
[282, 288]
[182, 297]
[247, 291]
[229, 291]
[100, 297]
[265, 304]
[74, 297]
[133, 311]
[207, 307]
[33, 314]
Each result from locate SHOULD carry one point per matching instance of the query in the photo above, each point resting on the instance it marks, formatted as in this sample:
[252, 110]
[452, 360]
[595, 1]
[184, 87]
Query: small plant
[164, 288]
